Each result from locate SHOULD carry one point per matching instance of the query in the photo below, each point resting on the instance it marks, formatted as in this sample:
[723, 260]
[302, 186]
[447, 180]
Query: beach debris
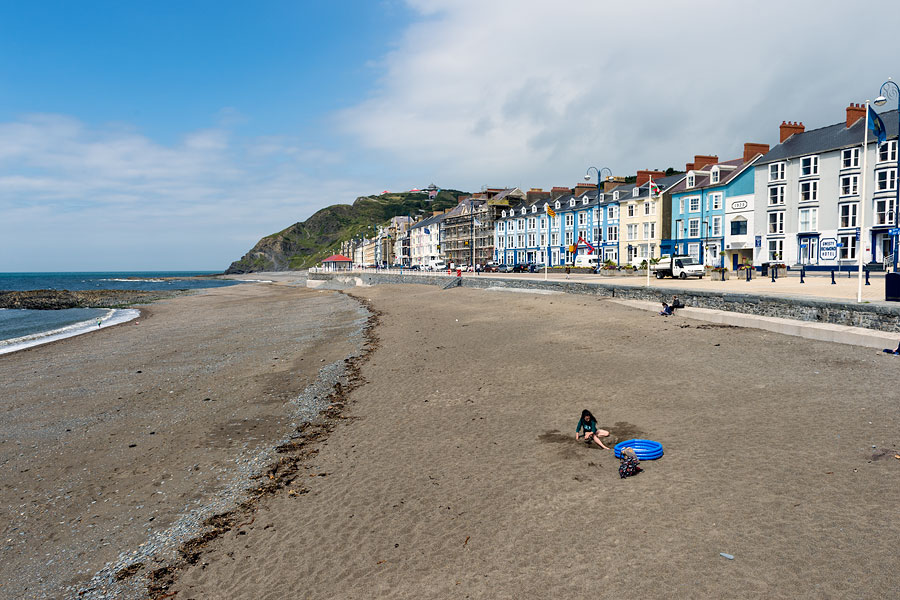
[728, 556]
[467, 541]
[897, 456]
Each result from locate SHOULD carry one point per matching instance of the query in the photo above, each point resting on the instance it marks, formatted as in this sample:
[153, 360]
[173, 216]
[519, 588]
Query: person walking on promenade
[591, 432]
[568, 270]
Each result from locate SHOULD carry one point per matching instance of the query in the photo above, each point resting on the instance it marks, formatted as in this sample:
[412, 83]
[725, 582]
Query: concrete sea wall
[819, 310]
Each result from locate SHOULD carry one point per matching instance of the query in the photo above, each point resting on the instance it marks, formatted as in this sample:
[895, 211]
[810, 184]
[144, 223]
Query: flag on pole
[877, 126]
[551, 212]
[654, 189]
[427, 232]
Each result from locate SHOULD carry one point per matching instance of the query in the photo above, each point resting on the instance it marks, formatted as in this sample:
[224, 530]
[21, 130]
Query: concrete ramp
[824, 332]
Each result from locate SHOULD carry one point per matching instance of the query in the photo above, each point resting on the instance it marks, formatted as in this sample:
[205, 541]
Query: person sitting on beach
[666, 311]
[676, 303]
[630, 463]
[889, 351]
[589, 424]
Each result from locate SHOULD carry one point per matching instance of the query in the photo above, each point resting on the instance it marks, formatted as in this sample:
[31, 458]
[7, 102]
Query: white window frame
[849, 185]
[693, 228]
[887, 152]
[776, 249]
[715, 227]
[850, 215]
[612, 233]
[884, 211]
[810, 215]
[850, 158]
[809, 166]
[775, 222]
[886, 180]
[776, 193]
[630, 210]
[776, 171]
[809, 190]
[694, 204]
[848, 250]
[716, 199]
[714, 175]
[691, 180]
[530, 240]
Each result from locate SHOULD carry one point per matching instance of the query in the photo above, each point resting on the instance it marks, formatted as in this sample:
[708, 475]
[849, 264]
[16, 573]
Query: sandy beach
[454, 472]
[457, 475]
[119, 441]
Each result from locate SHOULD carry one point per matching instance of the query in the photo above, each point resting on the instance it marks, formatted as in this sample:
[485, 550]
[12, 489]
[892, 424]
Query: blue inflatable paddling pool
[645, 449]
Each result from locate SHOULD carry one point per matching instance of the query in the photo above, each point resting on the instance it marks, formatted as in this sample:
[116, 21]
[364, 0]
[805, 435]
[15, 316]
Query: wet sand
[457, 475]
[118, 441]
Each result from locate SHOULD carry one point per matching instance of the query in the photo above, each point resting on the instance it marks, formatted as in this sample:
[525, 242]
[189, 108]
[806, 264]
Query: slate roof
[702, 180]
[832, 137]
[428, 221]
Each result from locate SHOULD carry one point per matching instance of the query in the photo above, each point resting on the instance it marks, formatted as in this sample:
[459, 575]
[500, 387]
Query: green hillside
[305, 244]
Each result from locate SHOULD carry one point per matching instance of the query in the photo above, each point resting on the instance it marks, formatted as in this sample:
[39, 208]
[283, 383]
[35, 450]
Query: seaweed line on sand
[319, 408]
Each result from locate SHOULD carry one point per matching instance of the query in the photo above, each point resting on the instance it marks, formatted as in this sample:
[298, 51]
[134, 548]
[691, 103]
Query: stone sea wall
[882, 317]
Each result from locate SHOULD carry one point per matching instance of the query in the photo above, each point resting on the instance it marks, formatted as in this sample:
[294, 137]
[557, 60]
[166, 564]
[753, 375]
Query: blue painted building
[701, 206]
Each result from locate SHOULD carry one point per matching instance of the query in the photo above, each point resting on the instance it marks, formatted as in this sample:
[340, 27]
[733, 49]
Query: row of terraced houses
[797, 203]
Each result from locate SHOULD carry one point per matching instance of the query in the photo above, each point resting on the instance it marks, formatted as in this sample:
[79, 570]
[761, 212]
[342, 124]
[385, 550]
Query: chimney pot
[789, 128]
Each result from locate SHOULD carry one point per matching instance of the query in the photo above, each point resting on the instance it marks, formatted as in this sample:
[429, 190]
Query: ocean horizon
[23, 328]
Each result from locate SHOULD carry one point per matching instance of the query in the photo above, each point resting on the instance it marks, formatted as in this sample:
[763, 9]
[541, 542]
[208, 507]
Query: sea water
[20, 328]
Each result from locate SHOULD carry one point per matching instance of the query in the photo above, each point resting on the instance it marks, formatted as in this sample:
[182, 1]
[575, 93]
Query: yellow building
[640, 218]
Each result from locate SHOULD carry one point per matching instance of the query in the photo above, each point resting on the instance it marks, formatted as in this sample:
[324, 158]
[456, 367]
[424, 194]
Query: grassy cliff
[305, 244]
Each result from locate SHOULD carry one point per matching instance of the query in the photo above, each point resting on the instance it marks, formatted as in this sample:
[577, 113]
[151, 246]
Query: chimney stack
[646, 175]
[751, 150]
[612, 182]
[855, 112]
[789, 128]
[704, 160]
[535, 194]
[581, 188]
[557, 191]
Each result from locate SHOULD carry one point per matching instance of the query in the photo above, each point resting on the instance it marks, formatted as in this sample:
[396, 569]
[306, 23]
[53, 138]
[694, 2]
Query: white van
[437, 265]
[586, 260]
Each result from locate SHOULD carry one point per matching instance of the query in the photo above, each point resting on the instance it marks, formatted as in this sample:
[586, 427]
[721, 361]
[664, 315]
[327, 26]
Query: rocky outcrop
[59, 299]
[303, 245]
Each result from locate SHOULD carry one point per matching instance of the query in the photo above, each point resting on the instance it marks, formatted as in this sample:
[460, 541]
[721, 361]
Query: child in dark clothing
[630, 463]
[589, 424]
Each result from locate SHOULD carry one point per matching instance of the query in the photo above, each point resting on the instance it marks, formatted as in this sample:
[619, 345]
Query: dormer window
[601, 197]
[615, 195]
[533, 209]
[584, 201]
[635, 192]
[714, 175]
[572, 202]
[546, 207]
[557, 204]
[691, 179]
[524, 210]
[504, 214]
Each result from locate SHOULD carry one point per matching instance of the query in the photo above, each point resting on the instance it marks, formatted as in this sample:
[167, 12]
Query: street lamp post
[889, 89]
[587, 177]
[678, 223]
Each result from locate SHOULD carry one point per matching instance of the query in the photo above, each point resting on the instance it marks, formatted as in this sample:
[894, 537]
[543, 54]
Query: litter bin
[892, 287]
[764, 270]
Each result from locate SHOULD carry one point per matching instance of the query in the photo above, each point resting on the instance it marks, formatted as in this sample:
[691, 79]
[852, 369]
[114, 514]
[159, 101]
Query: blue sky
[163, 135]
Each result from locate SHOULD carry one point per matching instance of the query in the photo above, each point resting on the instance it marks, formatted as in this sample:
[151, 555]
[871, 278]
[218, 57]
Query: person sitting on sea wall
[666, 310]
[591, 432]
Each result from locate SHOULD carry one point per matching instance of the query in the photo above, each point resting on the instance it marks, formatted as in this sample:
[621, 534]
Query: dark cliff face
[303, 245]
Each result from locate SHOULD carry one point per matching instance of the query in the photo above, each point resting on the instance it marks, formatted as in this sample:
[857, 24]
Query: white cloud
[76, 197]
[532, 92]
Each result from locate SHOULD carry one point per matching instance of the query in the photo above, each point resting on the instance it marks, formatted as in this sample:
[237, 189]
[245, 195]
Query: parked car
[504, 268]
[521, 268]
[491, 268]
